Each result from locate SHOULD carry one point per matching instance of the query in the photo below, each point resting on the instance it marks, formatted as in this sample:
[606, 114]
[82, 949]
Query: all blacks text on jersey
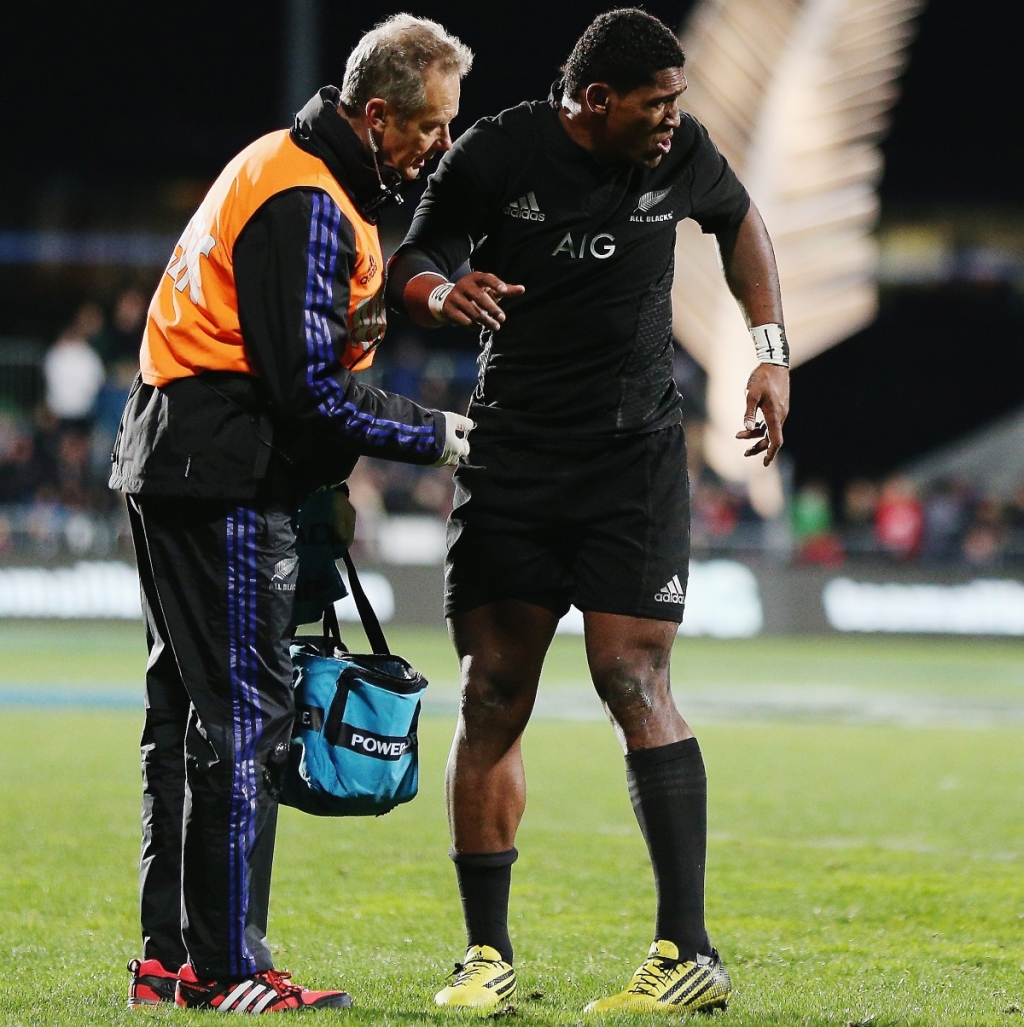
[646, 202]
[651, 217]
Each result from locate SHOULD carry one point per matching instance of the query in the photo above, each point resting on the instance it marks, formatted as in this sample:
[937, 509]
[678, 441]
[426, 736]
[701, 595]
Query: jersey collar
[319, 130]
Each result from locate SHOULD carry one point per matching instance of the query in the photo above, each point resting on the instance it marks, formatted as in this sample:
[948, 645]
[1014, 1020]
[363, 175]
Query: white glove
[456, 438]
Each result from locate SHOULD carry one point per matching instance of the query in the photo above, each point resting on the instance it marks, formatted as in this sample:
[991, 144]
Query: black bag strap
[371, 625]
[332, 631]
[332, 722]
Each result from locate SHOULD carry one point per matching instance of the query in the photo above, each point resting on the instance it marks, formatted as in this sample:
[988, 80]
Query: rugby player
[577, 491]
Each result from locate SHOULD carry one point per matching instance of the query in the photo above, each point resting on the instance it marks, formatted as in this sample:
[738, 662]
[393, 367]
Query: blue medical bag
[354, 748]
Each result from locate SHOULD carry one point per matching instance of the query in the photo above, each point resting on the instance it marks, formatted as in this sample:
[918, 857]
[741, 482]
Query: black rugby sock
[484, 882]
[669, 790]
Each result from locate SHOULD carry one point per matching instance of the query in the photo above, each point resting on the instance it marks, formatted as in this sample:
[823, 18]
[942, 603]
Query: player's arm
[292, 265]
[450, 220]
[431, 299]
[721, 206]
[753, 278]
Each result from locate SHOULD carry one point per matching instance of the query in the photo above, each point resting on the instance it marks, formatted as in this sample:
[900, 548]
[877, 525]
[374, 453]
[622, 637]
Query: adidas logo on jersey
[525, 208]
[673, 592]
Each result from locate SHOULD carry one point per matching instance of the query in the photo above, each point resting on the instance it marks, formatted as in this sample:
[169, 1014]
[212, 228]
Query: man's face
[640, 123]
[408, 143]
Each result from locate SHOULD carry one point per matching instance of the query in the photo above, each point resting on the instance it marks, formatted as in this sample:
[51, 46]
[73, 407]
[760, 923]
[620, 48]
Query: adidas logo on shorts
[525, 208]
[673, 592]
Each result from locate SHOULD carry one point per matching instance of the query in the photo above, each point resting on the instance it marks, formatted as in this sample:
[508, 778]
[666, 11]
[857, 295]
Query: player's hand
[456, 438]
[767, 391]
[476, 298]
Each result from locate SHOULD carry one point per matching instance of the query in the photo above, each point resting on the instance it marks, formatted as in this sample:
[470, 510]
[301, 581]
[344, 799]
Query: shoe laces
[280, 981]
[464, 973]
[652, 974]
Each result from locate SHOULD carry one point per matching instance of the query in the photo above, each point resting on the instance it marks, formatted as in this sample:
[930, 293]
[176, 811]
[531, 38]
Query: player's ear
[595, 97]
[376, 113]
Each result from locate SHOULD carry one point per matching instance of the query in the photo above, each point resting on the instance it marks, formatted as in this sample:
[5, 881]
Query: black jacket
[302, 420]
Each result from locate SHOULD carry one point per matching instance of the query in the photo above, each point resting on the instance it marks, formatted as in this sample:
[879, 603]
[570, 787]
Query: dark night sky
[119, 88]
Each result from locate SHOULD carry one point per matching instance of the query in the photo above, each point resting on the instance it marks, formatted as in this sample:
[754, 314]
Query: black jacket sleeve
[292, 266]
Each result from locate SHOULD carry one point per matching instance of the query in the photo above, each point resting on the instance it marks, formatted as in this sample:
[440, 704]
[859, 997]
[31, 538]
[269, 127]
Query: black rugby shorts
[603, 525]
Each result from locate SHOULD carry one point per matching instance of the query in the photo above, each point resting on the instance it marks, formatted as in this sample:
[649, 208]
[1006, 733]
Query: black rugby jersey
[587, 349]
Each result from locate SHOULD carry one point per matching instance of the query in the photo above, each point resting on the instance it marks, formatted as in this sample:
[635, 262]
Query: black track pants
[217, 591]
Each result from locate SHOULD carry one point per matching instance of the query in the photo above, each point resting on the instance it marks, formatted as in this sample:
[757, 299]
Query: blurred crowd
[55, 446]
[55, 449]
[940, 523]
[945, 523]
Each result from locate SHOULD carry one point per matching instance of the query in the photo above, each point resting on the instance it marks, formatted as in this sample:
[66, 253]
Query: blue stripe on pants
[246, 726]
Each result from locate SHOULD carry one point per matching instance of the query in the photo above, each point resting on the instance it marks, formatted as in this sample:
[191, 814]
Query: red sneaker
[151, 983]
[266, 992]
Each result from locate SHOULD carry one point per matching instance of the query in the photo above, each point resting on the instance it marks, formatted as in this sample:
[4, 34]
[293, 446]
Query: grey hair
[391, 60]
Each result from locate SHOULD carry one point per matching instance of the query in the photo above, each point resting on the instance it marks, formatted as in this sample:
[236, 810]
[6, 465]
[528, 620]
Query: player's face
[640, 123]
[408, 143]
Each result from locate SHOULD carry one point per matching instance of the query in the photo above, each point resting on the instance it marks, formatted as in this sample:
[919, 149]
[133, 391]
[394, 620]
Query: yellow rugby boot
[666, 984]
[483, 983]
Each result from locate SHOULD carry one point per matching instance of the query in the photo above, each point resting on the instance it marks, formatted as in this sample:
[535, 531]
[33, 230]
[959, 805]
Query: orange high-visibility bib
[193, 319]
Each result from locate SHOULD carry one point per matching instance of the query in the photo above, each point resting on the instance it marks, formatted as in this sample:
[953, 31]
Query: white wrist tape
[435, 301]
[770, 344]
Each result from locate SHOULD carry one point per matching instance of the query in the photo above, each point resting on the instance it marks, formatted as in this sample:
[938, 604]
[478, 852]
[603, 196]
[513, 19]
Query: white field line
[701, 705]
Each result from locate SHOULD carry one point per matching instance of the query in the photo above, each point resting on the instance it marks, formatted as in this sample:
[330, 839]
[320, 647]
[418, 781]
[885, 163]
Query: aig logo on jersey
[601, 246]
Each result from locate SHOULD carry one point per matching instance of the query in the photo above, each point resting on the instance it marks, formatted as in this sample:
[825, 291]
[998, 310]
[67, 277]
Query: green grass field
[859, 872]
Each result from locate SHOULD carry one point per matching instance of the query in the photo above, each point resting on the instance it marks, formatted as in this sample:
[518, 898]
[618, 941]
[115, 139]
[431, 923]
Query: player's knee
[633, 691]
[500, 700]
[628, 697]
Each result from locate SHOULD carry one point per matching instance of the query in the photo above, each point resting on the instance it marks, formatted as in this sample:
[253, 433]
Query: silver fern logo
[651, 199]
[284, 576]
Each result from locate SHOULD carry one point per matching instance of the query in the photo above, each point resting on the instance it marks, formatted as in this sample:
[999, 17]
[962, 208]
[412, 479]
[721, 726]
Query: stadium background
[866, 843]
[118, 115]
